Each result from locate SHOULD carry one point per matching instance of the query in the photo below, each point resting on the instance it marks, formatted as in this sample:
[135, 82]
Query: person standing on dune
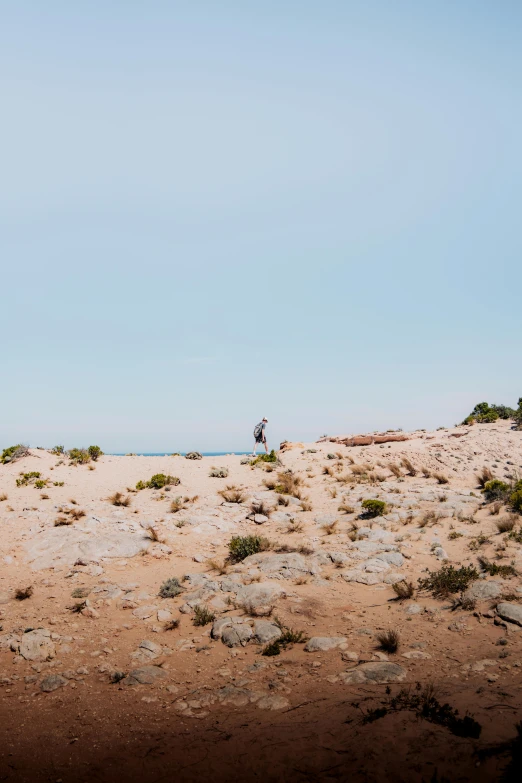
[259, 435]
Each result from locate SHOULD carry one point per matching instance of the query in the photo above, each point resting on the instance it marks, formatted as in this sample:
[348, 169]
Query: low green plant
[241, 547]
[79, 456]
[9, 452]
[58, 450]
[448, 580]
[495, 489]
[58, 483]
[272, 457]
[27, 478]
[95, 452]
[40, 483]
[494, 569]
[374, 508]
[170, 588]
[453, 535]
[515, 499]
[158, 481]
[288, 637]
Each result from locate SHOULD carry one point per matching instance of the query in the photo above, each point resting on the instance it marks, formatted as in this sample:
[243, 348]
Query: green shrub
[27, 478]
[241, 547]
[158, 481]
[13, 452]
[374, 508]
[448, 580]
[171, 588]
[79, 456]
[58, 450]
[495, 569]
[272, 457]
[484, 413]
[288, 636]
[515, 499]
[495, 490]
[40, 484]
[95, 452]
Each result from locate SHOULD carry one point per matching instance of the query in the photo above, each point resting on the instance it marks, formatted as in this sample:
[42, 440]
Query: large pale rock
[259, 594]
[483, 591]
[282, 566]
[65, 545]
[325, 643]
[266, 631]
[511, 612]
[147, 675]
[236, 635]
[52, 682]
[37, 646]
[273, 701]
[374, 672]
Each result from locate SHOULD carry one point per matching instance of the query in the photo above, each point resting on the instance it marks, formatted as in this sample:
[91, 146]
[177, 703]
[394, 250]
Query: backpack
[258, 429]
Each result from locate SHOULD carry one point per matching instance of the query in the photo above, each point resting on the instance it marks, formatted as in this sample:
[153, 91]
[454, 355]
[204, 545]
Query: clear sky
[215, 211]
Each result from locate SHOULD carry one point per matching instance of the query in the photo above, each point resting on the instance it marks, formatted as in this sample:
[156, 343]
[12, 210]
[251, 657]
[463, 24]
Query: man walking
[259, 435]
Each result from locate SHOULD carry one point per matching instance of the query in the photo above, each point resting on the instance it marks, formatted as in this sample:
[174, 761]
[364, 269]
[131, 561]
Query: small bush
[58, 451]
[272, 457]
[403, 590]
[426, 472]
[395, 469]
[171, 625]
[288, 637]
[441, 478]
[346, 509]
[177, 505]
[77, 513]
[389, 640]
[218, 473]
[119, 500]
[193, 455]
[515, 499]
[453, 535]
[3, 497]
[288, 484]
[57, 483]
[448, 580]
[330, 527]
[484, 476]
[11, 453]
[505, 525]
[495, 490]
[202, 616]
[23, 593]
[374, 508]
[62, 521]
[160, 480]
[27, 478]
[95, 452]
[79, 456]
[259, 507]
[170, 588]
[241, 547]
[406, 463]
[495, 569]
[232, 494]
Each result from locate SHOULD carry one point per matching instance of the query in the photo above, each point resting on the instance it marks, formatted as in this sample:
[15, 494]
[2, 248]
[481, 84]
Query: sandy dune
[109, 693]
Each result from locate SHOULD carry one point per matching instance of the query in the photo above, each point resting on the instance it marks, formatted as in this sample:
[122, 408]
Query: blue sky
[211, 212]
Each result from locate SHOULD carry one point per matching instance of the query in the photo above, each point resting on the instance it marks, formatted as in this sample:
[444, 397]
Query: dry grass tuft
[294, 526]
[403, 590]
[495, 507]
[389, 640]
[426, 472]
[332, 491]
[344, 508]
[288, 484]
[505, 525]
[259, 507]
[305, 504]
[177, 505]
[3, 497]
[484, 476]
[171, 625]
[62, 521]
[152, 534]
[44, 496]
[221, 568]
[233, 494]
[330, 527]
[202, 615]
[118, 499]
[77, 513]
[408, 464]
[23, 593]
[395, 469]
[441, 478]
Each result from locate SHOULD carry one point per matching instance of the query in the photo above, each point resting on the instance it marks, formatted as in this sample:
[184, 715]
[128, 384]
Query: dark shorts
[260, 439]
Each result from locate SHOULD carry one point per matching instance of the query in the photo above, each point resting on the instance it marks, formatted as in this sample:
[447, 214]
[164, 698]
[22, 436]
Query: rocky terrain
[133, 645]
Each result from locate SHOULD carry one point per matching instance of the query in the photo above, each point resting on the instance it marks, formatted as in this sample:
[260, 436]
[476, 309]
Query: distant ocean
[167, 454]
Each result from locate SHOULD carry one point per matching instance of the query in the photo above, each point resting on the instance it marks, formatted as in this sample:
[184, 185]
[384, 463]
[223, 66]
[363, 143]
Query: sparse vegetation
[344, 508]
[62, 521]
[3, 497]
[515, 499]
[496, 490]
[374, 508]
[330, 528]
[27, 478]
[288, 484]
[408, 464]
[494, 569]
[232, 494]
[171, 625]
[260, 507]
[177, 505]
[505, 525]
[202, 615]
[158, 481]
[453, 535]
[170, 588]
[218, 473]
[389, 640]
[395, 469]
[79, 456]
[403, 590]
[241, 547]
[484, 413]
[484, 476]
[426, 472]
[288, 637]
[272, 457]
[118, 499]
[441, 478]
[23, 593]
[12, 453]
[95, 452]
[448, 580]
[426, 706]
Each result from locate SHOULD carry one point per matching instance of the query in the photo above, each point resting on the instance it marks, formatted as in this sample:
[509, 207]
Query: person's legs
[255, 447]
[266, 447]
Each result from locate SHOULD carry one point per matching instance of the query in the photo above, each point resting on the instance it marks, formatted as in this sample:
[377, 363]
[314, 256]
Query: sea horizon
[168, 454]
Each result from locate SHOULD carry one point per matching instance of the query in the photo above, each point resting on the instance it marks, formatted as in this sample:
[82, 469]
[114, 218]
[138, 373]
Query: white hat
[264, 418]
